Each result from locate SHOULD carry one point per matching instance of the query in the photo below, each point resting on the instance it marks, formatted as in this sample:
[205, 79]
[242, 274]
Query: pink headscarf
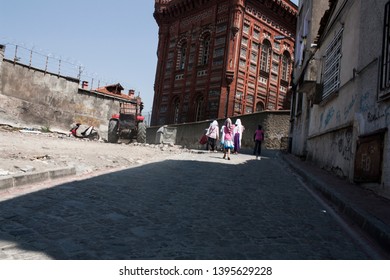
[228, 124]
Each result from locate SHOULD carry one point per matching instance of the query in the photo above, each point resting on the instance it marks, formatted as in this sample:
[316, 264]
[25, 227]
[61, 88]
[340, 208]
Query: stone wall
[275, 124]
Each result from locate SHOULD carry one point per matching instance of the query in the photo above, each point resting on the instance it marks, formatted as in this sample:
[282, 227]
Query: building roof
[114, 90]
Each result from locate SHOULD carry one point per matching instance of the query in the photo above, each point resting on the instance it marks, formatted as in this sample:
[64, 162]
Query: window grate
[332, 65]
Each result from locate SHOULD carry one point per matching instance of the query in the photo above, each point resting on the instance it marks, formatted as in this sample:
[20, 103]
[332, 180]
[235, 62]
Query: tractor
[128, 124]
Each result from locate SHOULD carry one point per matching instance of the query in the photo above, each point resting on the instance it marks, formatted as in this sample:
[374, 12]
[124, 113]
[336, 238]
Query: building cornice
[165, 10]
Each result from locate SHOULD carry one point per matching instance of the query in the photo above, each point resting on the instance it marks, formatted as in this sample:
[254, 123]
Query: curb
[35, 177]
[375, 228]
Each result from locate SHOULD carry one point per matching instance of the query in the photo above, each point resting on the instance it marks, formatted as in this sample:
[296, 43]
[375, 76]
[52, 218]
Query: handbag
[203, 139]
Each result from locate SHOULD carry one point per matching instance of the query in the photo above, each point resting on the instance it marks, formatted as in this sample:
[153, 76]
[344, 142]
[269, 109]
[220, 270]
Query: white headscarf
[239, 127]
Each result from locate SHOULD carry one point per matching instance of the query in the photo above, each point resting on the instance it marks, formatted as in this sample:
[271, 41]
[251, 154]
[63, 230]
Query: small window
[254, 57]
[256, 34]
[243, 52]
[246, 28]
[277, 45]
[242, 62]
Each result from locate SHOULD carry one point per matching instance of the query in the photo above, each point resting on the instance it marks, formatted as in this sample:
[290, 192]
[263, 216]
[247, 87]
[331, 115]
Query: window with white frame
[253, 67]
[385, 61]
[332, 65]
[256, 34]
[244, 41]
[255, 46]
[285, 66]
[243, 52]
[275, 67]
[242, 62]
[254, 56]
[265, 56]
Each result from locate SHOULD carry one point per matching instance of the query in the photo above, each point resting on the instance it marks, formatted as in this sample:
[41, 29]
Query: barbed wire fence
[54, 64]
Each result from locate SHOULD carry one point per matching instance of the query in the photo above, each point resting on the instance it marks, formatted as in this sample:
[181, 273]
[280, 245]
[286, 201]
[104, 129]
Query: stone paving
[190, 206]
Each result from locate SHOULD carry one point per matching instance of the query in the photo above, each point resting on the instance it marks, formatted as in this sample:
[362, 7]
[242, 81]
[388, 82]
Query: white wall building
[340, 113]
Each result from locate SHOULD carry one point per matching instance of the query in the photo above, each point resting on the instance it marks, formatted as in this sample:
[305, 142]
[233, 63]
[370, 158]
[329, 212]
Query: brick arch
[260, 106]
[204, 47]
[181, 49]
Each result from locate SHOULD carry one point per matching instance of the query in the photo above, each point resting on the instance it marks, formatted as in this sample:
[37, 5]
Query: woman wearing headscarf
[238, 130]
[228, 138]
[213, 135]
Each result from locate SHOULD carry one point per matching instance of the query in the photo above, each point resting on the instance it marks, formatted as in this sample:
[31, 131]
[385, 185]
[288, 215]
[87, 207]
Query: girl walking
[228, 138]
[258, 137]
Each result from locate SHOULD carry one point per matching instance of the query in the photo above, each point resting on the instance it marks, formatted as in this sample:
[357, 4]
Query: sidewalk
[364, 208]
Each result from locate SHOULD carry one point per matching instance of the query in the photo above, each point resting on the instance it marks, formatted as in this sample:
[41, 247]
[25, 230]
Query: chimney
[84, 85]
[131, 93]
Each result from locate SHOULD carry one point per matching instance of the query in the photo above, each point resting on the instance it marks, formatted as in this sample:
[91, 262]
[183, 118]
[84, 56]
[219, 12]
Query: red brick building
[219, 58]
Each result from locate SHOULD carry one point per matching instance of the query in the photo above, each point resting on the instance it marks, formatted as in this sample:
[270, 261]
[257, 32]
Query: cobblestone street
[189, 206]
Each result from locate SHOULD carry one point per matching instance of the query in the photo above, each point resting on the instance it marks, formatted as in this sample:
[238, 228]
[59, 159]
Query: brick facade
[219, 58]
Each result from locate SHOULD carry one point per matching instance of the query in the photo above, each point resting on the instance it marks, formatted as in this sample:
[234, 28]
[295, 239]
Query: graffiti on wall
[331, 113]
[344, 144]
[348, 108]
[375, 115]
[364, 102]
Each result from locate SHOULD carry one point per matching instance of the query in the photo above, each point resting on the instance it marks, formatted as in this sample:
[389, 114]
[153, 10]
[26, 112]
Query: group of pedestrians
[231, 137]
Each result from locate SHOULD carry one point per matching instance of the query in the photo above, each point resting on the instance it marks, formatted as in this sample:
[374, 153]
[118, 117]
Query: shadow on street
[177, 209]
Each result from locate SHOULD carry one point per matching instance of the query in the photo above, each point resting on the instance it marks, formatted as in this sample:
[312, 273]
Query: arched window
[285, 65]
[199, 108]
[259, 107]
[204, 50]
[265, 56]
[182, 55]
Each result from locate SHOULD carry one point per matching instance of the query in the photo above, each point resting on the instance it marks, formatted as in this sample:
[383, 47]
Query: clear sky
[114, 41]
